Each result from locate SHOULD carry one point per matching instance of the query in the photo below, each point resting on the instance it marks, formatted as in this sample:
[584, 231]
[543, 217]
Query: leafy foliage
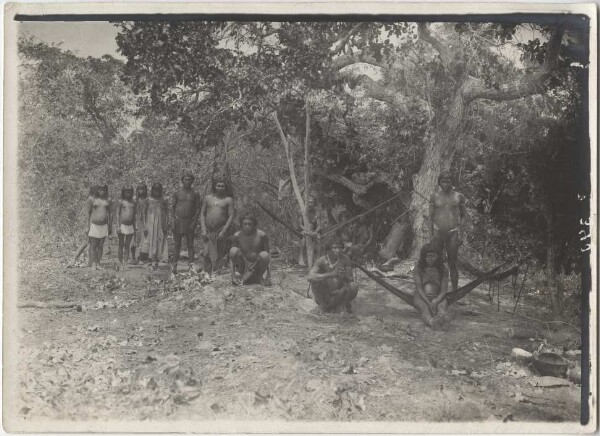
[381, 97]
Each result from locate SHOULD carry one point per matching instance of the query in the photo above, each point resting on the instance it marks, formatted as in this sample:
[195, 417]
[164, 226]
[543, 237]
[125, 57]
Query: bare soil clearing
[145, 346]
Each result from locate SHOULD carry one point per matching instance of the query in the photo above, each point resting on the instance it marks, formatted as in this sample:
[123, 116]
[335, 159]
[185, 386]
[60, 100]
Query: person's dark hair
[344, 216]
[105, 187]
[249, 216]
[188, 174]
[141, 186]
[156, 187]
[93, 190]
[216, 180]
[445, 175]
[431, 248]
[124, 189]
[333, 240]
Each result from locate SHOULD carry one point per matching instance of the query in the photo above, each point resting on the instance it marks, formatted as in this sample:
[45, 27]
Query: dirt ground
[146, 346]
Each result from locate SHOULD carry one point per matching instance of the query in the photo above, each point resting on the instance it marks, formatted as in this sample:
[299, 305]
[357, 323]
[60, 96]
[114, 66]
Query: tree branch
[439, 46]
[531, 84]
[341, 43]
[346, 60]
[290, 159]
[356, 188]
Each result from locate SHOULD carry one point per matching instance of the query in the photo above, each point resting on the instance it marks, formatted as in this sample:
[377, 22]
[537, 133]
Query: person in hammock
[431, 282]
[318, 222]
[346, 233]
[331, 279]
[362, 238]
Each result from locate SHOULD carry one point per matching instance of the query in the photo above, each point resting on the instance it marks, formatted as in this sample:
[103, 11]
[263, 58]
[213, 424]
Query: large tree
[206, 74]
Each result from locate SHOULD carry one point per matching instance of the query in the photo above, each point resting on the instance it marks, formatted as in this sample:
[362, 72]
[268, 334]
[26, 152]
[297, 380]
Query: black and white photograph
[300, 218]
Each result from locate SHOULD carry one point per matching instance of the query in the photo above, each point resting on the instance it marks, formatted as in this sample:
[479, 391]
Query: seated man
[249, 254]
[331, 279]
[431, 282]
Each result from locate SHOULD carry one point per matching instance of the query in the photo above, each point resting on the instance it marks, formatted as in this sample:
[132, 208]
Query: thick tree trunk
[439, 151]
[441, 141]
[552, 282]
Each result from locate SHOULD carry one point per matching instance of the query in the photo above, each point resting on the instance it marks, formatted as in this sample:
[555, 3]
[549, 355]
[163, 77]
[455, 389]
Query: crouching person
[249, 255]
[331, 279]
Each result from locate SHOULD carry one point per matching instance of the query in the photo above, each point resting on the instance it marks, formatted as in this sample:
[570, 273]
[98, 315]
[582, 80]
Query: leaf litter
[191, 345]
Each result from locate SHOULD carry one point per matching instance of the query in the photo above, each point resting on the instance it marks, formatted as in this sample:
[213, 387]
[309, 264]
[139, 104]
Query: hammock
[452, 297]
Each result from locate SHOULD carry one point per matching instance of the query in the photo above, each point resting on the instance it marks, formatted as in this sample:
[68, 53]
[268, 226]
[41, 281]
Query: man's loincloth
[183, 226]
[98, 231]
[444, 236]
[215, 248]
[211, 247]
[127, 229]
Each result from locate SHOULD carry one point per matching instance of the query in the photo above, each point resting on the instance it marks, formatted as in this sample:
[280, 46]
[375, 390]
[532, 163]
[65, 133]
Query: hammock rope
[451, 297]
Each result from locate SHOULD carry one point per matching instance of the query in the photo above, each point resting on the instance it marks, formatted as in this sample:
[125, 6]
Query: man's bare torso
[217, 212]
[251, 245]
[186, 204]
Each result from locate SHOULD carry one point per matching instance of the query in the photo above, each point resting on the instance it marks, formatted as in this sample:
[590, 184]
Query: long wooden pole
[290, 160]
[307, 188]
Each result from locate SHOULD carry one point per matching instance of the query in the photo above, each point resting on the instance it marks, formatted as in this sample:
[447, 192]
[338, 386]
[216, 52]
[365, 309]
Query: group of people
[331, 276]
[142, 226]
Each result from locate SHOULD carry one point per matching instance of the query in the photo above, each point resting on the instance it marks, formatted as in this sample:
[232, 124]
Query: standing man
[216, 217]
[185, 211]
[447, 214]
[249, 254]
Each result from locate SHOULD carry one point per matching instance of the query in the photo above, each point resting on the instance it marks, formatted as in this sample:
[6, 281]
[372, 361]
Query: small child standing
[139, 245]
[100, 223]
[155, 227]
[83, 246]
[125, 224]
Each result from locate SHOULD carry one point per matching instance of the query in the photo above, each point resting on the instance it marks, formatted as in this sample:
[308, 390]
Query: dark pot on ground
[550, 364]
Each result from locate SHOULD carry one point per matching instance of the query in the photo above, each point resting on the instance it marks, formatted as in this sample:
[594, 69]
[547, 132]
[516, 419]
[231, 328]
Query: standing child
[125, 224]
[155, 227]
[139, 244]
[83, 246]
[100, 223]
